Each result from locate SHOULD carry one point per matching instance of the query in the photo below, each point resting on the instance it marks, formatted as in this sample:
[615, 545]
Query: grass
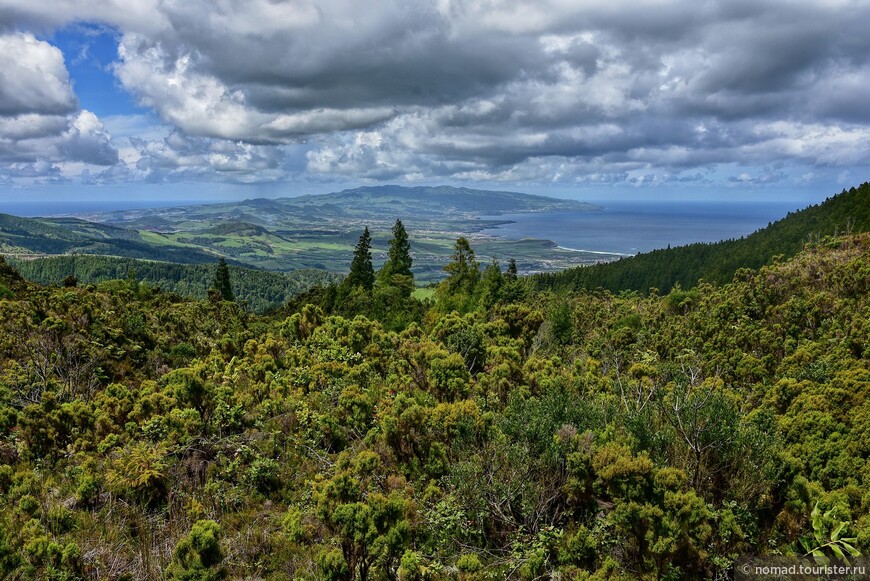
[423, 292]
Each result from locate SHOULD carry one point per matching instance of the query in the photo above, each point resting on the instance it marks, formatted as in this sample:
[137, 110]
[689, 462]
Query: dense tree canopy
[262, 291]
[499, 432]
[848, 212]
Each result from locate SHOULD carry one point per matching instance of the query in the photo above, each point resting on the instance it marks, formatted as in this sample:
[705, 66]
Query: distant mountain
[438, 199]
[310, 231]
[421, 207]
[847, 212]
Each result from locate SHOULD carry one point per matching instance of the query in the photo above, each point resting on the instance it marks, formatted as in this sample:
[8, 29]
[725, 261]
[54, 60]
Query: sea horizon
[629, 227]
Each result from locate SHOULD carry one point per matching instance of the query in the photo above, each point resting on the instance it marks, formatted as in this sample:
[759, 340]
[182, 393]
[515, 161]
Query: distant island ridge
[617, 228]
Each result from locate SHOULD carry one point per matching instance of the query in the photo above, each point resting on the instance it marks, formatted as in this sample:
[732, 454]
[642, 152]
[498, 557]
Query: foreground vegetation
[491, 432]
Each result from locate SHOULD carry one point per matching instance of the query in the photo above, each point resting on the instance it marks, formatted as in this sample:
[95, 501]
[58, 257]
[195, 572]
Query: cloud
[33, 78]
[179, 157]
[575, 91]
[77, 138]
[40, 123]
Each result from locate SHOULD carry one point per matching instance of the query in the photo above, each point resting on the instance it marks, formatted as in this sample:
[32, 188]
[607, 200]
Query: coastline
[622, 254]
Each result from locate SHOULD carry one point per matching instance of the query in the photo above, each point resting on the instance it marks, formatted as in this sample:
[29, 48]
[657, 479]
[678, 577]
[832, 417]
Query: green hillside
[846, 212]
[38, 236]
[486, 435]
[434, 207]
[261, 290]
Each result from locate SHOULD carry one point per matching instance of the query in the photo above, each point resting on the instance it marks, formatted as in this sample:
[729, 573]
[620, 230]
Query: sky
[137, 100]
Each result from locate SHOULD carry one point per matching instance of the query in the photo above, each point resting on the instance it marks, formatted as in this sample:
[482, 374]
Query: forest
[495, 430]
[260, 290]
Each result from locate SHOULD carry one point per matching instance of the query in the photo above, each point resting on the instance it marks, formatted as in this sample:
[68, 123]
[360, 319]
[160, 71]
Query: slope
[421, 206]
[29, 236]
[263, 291]
[319, 231]
[717, 262]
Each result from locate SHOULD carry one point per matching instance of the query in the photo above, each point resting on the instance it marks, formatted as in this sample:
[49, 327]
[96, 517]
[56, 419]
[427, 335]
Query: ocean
[630, 227]
[43, 208]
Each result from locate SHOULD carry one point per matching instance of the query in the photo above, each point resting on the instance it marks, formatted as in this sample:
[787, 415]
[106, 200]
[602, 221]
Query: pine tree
[457, 291]
[491, 283]
[511, 273]
[397, 269]
[361, 271]
[222, 282]
[464, 270]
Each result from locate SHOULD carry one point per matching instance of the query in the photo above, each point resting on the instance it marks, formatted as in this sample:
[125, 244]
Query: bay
[630, 227]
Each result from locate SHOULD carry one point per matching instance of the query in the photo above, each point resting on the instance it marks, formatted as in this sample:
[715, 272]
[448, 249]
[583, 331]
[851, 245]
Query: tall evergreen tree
[361, 271]
[396, 271]
[457, 291]
[464, 270]
[222, 282]
[511, 273]
[491, 283]
[399, 254]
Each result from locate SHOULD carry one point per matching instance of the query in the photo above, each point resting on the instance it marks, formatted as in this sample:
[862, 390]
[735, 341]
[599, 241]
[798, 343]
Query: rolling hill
[48, 236]
[287, 234]
[419, 207]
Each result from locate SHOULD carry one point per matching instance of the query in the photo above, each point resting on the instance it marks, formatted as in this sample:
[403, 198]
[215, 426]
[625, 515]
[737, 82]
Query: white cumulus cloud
[40, 122]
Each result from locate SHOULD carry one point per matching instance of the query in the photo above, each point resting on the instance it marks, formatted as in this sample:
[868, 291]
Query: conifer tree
[511, 273]
[399, 254]
[222, 282]
[491, 283]
[396, 271]
[457, 291]
[361, 271]
[464, 270]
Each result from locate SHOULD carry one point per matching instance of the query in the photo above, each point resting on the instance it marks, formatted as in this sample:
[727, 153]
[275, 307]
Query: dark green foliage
[222, 283]
[10, 278]
[261, 290]
[397, 268]
[456, 292]
[511, 273]
[562, 323]
[8, 273]
[571, 435]
[492, 283]
[198, 556]
[71, 235]
[362, 273]
[463, 271]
